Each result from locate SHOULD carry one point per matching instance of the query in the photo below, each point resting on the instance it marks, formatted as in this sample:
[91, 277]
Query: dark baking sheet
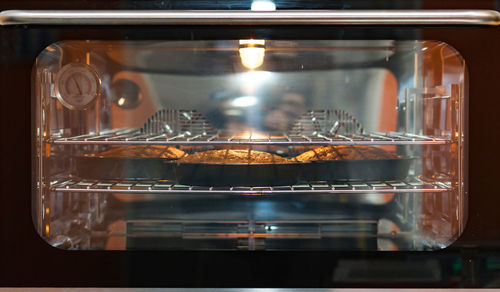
[355, 170]
[201, 174]
[98, 167]
[205, 174]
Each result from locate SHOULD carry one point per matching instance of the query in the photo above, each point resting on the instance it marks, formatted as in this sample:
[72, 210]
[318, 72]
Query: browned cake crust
[234, 156]
[343, 152]
[320, 153]
[141, 151]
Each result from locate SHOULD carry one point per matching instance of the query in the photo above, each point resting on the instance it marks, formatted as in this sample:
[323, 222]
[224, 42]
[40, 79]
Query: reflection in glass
[312, 144]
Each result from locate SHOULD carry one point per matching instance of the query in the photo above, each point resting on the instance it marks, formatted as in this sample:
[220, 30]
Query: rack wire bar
[410, 185]
[223, 138]
[313, 229]
[251, 229]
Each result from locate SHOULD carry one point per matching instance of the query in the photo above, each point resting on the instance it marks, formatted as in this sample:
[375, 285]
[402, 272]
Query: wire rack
[137, 137]
[189, 127]
[253, 228]
[412, 184]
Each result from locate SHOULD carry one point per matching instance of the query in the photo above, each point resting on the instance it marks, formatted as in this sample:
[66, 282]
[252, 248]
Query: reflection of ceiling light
[250, 134]
[244, 101]
[121, 101]
[252, 53]
[263, 5]
[251, 81]
[256, 76]
[377, 198]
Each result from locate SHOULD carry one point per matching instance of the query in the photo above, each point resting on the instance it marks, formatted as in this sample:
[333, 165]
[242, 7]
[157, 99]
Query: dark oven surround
[31, 262]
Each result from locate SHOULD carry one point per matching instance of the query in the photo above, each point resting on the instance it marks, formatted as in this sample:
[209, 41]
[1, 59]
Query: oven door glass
[250, 145]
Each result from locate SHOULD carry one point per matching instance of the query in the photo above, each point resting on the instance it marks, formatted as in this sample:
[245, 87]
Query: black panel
[245, 4]
[219, 5]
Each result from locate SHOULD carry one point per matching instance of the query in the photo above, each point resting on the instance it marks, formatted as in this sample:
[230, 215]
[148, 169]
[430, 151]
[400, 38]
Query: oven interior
[250, 145]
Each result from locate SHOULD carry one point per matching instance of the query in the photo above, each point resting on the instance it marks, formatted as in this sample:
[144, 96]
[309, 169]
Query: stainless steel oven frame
[253, 18]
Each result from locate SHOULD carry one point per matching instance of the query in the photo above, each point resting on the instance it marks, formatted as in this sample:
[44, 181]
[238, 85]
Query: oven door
[33, 262]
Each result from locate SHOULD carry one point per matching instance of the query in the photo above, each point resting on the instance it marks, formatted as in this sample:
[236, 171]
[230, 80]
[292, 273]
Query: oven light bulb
[252, 53]
[252, 58]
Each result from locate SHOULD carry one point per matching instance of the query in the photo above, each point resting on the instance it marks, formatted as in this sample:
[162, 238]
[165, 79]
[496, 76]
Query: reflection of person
[270, 110]
[290, 108]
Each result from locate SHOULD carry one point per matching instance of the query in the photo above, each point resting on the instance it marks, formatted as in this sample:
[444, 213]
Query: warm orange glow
[252, 42]
[47, 150]
[252, 58]
[47, 229]
[47, 211]
[252, 135]
[252, 53]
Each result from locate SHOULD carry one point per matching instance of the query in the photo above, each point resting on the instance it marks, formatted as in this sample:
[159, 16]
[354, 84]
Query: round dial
[77, 85]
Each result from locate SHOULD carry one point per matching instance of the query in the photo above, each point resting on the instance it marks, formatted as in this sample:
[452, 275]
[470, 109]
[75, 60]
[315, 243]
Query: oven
[264, 147]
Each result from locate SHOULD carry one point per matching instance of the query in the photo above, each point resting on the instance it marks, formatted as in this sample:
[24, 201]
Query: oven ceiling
[222, 57]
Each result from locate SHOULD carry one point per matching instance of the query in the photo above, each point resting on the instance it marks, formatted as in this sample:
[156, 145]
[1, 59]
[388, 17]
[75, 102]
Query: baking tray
[206, 174]
[355, 170]
[217, 175]
[99, 167]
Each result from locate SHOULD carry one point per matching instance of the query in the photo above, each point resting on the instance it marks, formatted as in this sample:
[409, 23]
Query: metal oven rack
[409, 185]
[255, 234]
[252, 228]
[136, 137]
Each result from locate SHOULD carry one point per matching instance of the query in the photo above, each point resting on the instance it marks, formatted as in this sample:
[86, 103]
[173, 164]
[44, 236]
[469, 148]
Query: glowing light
[252, 53]
[256, 76]
[263, 5]
[252, 80]
[47, 210]
[252, 135]
[244, 101]
[252, 42]
[252, 58]
[47, 229]
[121, 101]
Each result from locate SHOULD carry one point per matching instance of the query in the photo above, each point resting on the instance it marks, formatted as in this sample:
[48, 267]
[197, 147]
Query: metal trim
[245, 17]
